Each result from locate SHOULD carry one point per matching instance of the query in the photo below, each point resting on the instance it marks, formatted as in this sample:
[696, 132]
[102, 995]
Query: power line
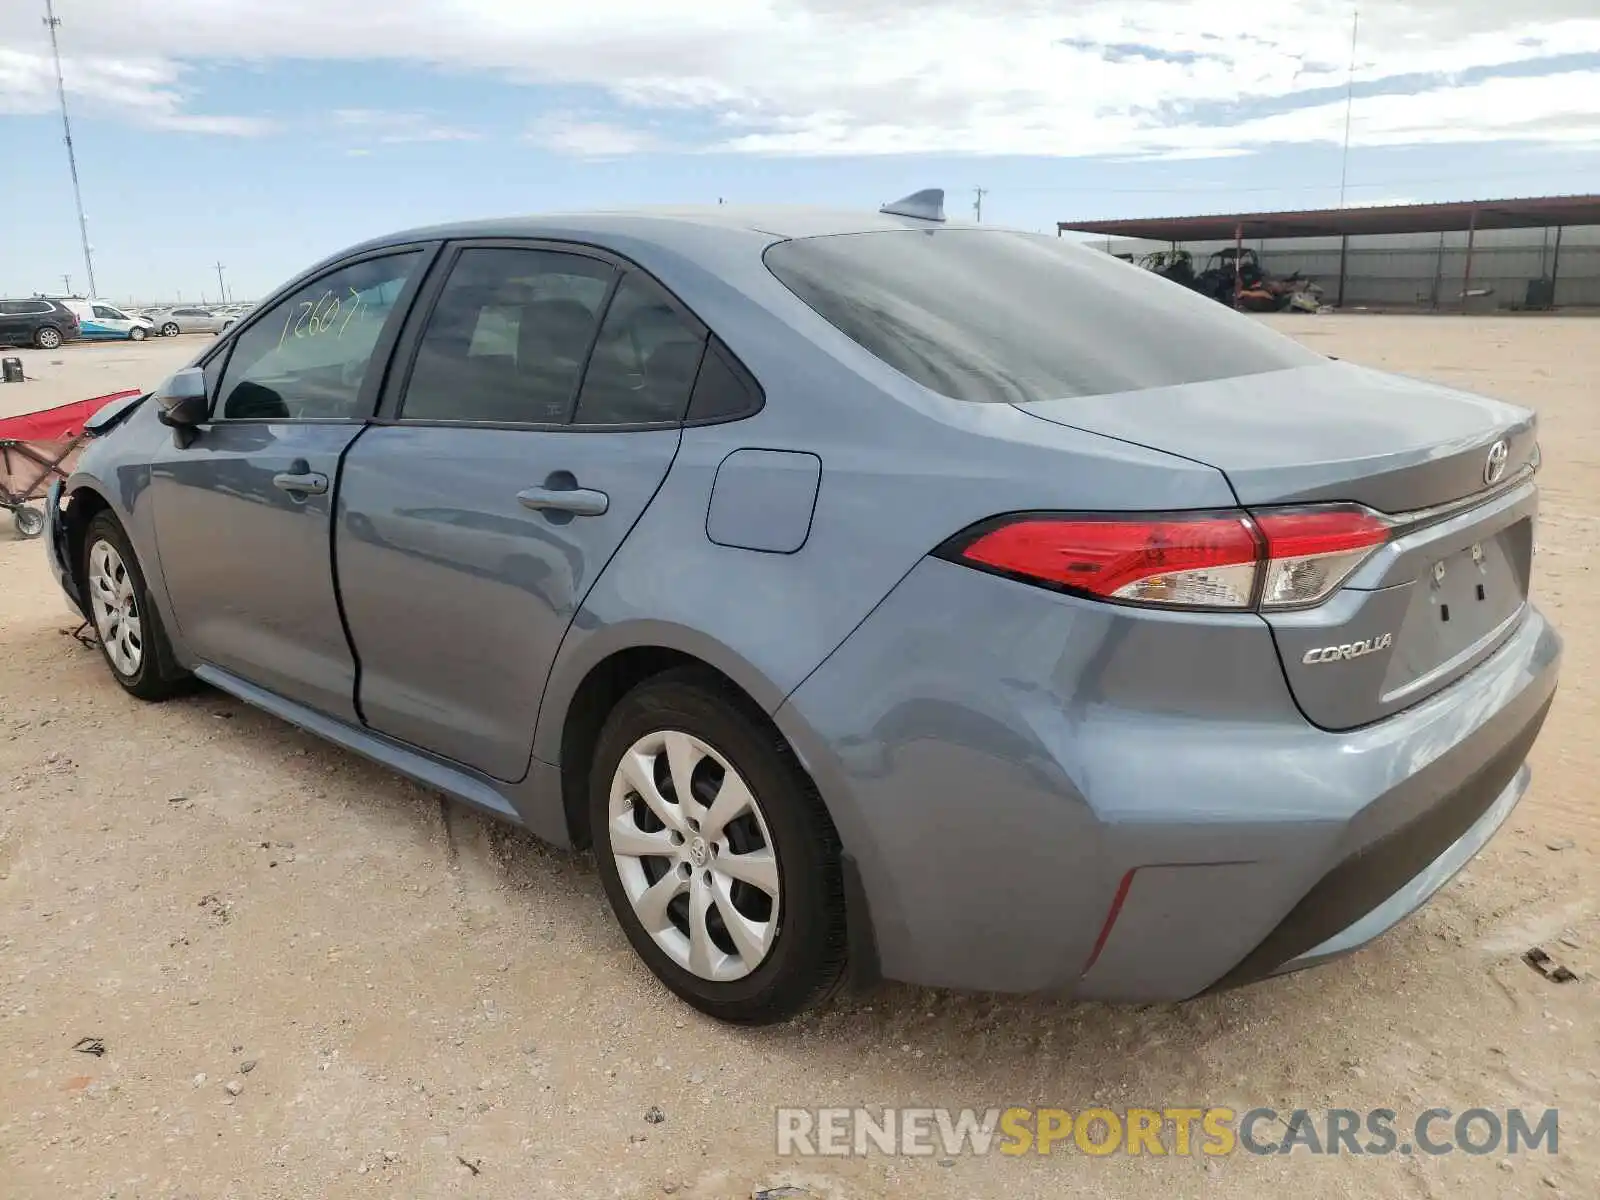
[52, 22]
[1349, 101]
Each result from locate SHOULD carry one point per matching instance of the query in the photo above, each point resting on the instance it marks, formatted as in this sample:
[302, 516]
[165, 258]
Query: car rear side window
[506, 342]
[644, 361]
[723, 390]
[307, 357]
[996, 316]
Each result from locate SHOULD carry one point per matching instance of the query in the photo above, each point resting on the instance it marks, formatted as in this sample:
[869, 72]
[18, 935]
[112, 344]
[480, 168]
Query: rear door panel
[457, 596]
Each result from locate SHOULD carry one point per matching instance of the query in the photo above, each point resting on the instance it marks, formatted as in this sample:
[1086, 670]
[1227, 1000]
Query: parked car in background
[44, 324]
[941, 601]
[234, 316]
[170, 322]
[100, 321]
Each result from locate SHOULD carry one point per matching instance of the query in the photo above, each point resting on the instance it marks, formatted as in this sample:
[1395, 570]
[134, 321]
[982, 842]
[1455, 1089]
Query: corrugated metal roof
[1517, 213]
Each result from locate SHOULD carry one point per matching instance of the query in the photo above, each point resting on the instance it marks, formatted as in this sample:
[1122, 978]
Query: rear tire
[735, 900]
[132, 639]
[47, 337]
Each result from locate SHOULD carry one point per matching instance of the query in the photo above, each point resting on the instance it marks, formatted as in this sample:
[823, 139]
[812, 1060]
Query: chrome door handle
[580, 502]
[308, 483]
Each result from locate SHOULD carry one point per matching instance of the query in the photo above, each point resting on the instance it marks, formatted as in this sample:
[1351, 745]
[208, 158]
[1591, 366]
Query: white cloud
[810, 77]
[395, 127]
[574, 134]
[143, 91]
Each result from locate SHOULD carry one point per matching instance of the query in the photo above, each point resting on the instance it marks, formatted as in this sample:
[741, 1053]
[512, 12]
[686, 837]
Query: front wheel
[716, 852]
[136, 334]
[129, 627]
[170, 329]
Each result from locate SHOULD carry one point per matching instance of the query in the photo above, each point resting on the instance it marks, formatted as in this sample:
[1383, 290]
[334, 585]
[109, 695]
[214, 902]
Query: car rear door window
[990, 315]
[307, 357]
[644, 362]
[507, 339]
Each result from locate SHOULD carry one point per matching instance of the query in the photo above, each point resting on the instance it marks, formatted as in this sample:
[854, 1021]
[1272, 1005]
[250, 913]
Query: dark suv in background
[37, 322]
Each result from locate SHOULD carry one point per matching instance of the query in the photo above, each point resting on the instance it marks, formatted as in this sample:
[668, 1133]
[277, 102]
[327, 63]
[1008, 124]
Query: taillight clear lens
[1202, 561]
[1311, 552]
[1295, 557]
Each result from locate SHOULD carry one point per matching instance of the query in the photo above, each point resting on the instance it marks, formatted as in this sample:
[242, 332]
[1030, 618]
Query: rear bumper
[1009, 766]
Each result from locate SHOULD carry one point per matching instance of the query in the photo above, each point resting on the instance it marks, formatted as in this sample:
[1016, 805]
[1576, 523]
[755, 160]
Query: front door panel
[247, 563]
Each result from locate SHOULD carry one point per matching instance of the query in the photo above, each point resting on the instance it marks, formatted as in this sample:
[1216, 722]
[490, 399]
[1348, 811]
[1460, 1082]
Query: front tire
[716, 853]
[47, 337]
[132, 640]
[136, 334]
[170, 329]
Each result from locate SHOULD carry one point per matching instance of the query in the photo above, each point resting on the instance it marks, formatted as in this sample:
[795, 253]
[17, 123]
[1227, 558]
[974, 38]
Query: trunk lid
[1443, 593]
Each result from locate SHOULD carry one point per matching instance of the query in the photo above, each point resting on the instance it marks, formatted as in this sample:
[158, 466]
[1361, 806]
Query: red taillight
[1282, 559]
[1310, 552]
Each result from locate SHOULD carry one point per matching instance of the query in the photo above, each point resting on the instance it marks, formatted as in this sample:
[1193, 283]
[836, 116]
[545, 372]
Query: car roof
[670, 227]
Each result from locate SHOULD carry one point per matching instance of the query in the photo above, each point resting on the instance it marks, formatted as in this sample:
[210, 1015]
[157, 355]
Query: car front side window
[308, 356]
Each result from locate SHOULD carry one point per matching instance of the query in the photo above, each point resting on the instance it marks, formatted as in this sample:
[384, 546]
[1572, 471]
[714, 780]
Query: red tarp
[48, 436]
[56, 424]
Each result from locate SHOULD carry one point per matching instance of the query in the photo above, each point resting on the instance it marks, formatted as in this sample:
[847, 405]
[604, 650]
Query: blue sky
[266, 133]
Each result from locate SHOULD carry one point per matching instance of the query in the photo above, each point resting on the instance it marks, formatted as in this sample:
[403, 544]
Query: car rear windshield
[1001, 317]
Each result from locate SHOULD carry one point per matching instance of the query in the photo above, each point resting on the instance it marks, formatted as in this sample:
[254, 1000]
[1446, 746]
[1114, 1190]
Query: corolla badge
[1494, 467]
[1344, 653]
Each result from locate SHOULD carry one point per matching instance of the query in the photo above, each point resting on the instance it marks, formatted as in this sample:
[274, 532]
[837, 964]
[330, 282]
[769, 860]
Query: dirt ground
[79, 370]
[434, 1006]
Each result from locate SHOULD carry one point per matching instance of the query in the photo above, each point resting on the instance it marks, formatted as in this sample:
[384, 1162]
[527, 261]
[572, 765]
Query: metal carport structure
[1469, 216]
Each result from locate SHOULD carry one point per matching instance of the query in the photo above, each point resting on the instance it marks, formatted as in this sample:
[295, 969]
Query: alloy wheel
[694, 855]
[49, 339]
[116, 608]
[170, 329]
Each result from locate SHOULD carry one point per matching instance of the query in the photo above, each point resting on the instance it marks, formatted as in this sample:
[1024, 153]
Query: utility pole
[1349, 101]
[67, 280]
[977, 203]
[51, 22]
[222, 288]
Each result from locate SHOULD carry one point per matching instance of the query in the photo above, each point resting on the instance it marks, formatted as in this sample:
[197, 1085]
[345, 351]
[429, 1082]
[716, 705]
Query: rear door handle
[581, 502]
[308, 483]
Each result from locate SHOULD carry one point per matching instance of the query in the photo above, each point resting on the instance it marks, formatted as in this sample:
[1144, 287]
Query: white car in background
[170, 322]
[234, 315]
[101, 322]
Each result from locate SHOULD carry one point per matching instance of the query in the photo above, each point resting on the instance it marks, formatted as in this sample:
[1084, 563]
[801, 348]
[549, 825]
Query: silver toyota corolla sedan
[879, 596]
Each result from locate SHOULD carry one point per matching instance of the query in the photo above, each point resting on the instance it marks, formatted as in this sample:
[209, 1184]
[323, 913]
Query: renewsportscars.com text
[1214, 1131]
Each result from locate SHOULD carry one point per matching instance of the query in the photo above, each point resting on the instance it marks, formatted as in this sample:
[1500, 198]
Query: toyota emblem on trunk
[1494, 467]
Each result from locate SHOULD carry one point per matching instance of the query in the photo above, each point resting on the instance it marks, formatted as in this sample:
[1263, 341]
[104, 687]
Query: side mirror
[183, 403]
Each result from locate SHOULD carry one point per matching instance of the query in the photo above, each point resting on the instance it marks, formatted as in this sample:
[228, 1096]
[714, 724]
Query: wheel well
[605, 684]
[75, 517]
